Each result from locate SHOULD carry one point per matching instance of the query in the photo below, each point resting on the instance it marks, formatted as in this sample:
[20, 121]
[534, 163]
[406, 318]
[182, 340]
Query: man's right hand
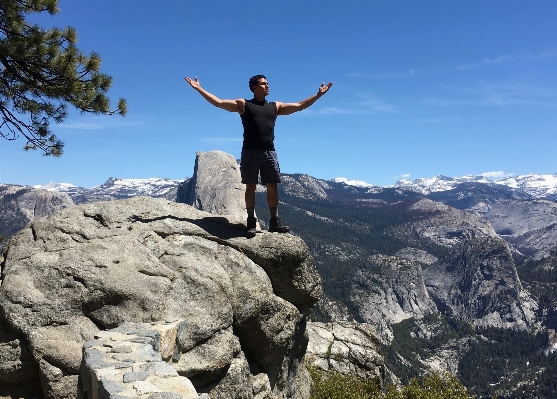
[193, 83]
[238, 105]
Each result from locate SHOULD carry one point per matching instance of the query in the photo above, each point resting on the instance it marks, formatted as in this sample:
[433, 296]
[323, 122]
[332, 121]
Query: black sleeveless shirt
[259, 125]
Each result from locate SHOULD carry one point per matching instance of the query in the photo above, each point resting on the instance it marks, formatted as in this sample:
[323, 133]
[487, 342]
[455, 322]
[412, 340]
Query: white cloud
[509, 95]
[405, 175]
[376, 105]
[99, 122]
[335, 110]
[82, 126]
[547, 54]
[386, 75]
[501, 58]
[381, 107]
[443, 102]
[368, 104]
[434, 120]
[496, 174]
[473, 65]
[498, 95]
[467, 66]
[220, 139]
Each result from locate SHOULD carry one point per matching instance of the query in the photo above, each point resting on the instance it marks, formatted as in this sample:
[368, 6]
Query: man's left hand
[324, 88]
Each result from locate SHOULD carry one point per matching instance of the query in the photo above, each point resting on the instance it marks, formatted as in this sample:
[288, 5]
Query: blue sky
[421, 88]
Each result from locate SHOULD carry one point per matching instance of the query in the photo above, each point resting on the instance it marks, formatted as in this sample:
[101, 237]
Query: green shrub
[332, 385]
[434, 386]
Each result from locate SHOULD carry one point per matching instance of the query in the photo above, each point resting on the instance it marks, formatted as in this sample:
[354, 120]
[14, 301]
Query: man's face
[261, 89]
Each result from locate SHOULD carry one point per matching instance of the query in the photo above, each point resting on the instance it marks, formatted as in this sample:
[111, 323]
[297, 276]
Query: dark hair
[254, 80]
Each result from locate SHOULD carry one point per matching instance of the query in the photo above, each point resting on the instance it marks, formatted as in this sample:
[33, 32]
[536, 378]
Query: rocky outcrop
[304, 186]
[388, 290]
[444, 225]
[20, 205]
[446, 357]
[552, 345]
[17, 366]
[477, 282]
[216, 186]
[92, 267]
[530, 226]
[347, 348]
[416, 254]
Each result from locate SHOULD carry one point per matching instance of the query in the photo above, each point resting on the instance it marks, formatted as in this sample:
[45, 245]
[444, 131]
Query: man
[258, 151]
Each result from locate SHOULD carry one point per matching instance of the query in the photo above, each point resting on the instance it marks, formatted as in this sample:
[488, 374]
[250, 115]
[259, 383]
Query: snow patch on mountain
[438, 183]
[154, 186]
[538, 186]
[356, 183]
[61, 187]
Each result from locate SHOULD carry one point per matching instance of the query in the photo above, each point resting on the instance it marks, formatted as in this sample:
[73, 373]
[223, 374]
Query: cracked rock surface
[95, 266]
[346, 348]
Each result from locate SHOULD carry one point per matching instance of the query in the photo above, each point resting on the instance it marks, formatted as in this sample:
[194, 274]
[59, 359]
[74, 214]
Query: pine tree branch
[41, 72]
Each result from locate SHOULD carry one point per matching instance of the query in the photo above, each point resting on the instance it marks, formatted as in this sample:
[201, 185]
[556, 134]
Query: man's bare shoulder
[241, 102]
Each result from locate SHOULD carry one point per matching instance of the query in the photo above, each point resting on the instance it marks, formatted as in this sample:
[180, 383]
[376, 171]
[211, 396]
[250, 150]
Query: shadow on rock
[217, 226]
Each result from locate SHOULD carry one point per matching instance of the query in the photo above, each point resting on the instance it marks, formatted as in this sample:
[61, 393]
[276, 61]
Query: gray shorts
[255, 162]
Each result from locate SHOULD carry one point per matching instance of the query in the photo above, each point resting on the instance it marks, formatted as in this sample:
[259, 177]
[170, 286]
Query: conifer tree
[41, 73]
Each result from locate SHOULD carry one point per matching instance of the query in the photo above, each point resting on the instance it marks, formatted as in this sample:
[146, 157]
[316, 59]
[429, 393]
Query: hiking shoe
[276, 226]
[252, 226]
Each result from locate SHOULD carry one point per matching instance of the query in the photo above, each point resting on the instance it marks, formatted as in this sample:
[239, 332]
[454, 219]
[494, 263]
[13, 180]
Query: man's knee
[250, 188]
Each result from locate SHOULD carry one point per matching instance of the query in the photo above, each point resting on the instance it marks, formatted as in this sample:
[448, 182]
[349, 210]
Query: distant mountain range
[534, 186]
[116, 188]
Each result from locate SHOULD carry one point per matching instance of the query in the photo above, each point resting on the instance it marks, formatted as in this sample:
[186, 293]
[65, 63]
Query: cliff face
[477, 282]
[388, 290]
[444, 225]
[92, 267]
[21, 205]
[530, 226]
[216, 186]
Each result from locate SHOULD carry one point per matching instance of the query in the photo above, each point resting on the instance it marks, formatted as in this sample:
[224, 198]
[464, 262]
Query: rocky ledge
[68, 277]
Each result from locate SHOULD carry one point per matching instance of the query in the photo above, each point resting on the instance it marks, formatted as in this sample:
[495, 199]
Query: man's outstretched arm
[290, 108]
[228, 105]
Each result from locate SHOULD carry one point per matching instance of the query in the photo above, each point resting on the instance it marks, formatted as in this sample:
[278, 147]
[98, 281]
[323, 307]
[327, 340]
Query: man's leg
[250, 205]
[270, 176]
[249, 170]
[275, 225]
[250, 199]
[272, 199]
